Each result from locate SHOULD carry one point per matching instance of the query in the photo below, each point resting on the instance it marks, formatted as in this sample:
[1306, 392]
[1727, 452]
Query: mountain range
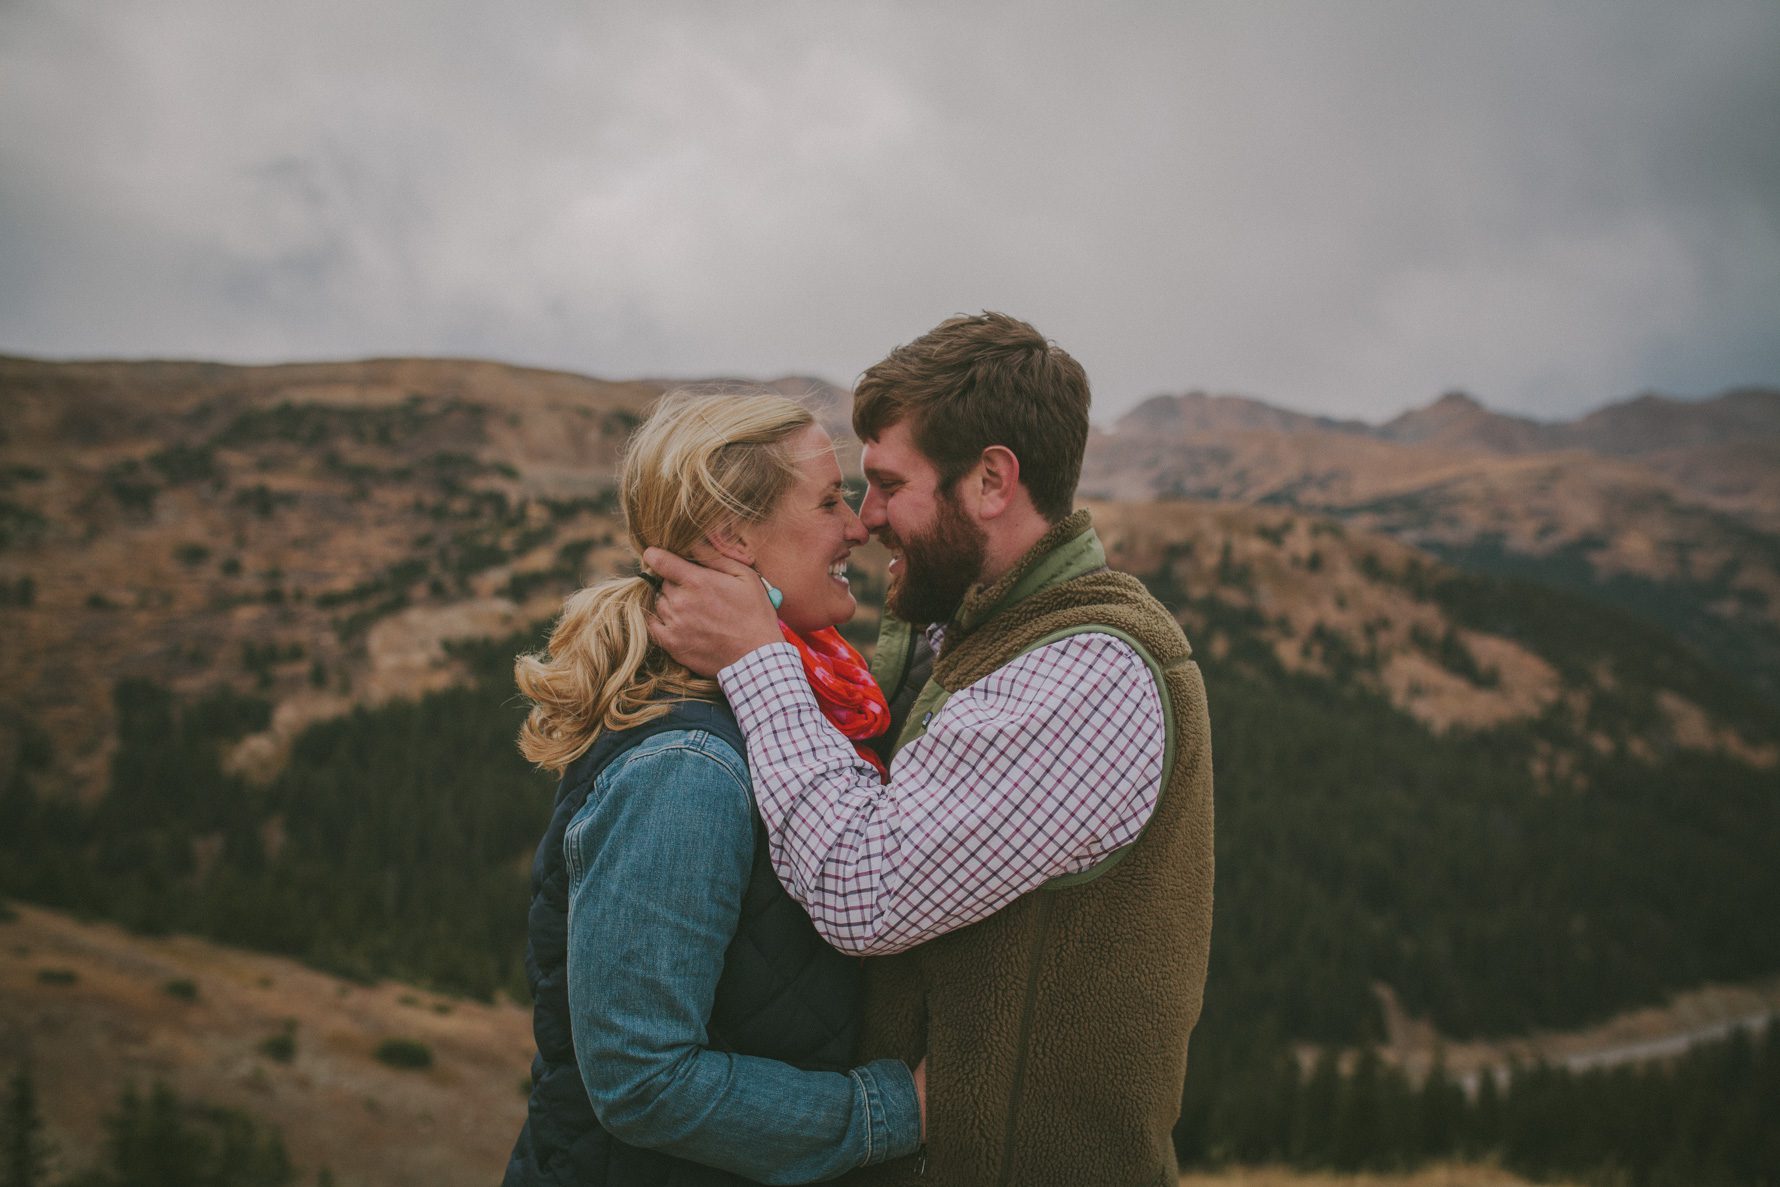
[318, 532]
[1497, 701]
[1665, 507]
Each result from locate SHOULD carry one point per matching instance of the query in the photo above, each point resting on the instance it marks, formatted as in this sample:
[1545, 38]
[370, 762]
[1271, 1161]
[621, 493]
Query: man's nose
[871, 510]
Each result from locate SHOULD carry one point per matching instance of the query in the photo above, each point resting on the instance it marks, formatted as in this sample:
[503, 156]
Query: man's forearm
[1039, 770]
[823, 805]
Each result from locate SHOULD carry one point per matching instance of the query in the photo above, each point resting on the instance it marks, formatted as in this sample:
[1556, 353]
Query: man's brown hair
[973, 382]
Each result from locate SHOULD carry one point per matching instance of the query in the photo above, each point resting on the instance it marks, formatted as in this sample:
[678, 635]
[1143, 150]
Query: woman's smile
[804, 547]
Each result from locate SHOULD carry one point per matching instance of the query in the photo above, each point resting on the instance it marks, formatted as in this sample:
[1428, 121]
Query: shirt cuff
[887, 1093]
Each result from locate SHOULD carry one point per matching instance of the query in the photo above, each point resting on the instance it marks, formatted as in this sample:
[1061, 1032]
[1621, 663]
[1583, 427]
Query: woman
[692, 1028]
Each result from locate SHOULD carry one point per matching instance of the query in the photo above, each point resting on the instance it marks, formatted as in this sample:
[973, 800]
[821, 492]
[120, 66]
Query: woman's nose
[855, 531]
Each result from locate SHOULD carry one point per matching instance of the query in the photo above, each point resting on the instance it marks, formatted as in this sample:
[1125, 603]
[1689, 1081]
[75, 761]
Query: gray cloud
[1346, 208]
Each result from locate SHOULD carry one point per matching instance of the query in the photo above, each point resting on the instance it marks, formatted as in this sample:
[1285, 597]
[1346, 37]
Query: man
[1035, 877]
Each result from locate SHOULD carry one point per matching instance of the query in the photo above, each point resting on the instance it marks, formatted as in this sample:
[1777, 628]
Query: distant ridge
[1643, 424]
[1197, 412]
[1648, 423]
[1664, 506]
[1457, 421]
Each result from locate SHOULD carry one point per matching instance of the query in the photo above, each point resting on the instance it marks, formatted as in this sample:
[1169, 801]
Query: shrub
[133, 490]
[409, 1054]
[282, 1046]
[185, 463]
[19, 523]
[262, 500]
[183, 988]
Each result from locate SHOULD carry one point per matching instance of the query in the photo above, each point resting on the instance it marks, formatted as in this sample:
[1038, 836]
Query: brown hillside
[316, 534]
[1687, 534]
[89, 1005]
[1335, 602]
[310, 533]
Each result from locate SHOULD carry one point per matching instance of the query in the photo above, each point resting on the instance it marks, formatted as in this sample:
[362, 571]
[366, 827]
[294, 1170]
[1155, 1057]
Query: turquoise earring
[773, 594]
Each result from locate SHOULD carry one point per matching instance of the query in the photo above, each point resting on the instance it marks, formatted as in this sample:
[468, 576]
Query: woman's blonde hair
[698, 464]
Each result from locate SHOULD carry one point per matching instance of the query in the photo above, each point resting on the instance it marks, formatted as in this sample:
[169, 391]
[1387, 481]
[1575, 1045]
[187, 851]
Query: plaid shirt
[1039, 769]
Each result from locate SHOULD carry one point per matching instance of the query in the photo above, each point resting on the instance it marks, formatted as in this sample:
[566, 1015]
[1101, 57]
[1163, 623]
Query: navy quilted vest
[784, 993]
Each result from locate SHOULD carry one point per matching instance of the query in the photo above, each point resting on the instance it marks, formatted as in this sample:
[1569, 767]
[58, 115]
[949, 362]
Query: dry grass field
[95, 1008]
[1437, 1176]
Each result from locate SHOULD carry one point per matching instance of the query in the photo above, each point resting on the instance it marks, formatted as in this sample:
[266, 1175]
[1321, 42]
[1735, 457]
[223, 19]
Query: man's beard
[938, 567]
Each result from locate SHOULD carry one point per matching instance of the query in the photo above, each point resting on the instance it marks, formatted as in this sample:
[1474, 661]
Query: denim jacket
[658, 859]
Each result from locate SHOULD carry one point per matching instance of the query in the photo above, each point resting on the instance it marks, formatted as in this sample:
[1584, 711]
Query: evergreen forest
[151, 1140]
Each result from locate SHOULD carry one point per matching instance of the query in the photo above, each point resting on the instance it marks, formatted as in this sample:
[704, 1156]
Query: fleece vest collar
[1068, 550]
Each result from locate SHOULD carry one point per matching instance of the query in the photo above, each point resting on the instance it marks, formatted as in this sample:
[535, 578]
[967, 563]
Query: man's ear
[994, 481]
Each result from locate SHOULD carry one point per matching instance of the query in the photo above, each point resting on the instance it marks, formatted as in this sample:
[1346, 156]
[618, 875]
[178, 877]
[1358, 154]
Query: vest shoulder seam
[698, 740]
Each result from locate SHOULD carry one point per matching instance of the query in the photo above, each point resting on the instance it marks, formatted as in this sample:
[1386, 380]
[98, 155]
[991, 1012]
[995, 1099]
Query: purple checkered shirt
[1039, 769]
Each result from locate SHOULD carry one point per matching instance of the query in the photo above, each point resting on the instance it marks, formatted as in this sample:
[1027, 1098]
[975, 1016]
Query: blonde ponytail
[600, 672]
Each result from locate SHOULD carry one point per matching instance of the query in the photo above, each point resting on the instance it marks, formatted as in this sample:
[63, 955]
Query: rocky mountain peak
[1457, 420]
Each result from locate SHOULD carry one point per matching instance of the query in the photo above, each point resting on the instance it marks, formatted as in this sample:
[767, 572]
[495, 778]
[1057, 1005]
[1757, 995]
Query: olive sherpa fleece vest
[784, 993]
[1055, 1031]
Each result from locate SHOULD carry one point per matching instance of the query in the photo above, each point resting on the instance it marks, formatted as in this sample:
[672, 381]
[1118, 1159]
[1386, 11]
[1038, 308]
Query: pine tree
[27, 1151]
[1440, 1112]
[147, 1142]
[1314, 1131]
[1358, 1118]
[1483, 1122]
[162, 1142]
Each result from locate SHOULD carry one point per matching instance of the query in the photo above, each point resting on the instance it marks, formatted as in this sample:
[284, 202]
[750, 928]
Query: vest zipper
[1016, 1090]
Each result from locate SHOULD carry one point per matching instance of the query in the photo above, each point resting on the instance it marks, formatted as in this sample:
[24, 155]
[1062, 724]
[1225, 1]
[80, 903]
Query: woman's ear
[726, 541]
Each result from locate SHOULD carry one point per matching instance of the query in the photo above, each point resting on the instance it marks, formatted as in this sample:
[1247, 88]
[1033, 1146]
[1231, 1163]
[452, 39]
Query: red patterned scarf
[844, 689]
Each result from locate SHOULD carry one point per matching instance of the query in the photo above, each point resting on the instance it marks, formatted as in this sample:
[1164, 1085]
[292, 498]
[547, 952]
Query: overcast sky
[1342, 207]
